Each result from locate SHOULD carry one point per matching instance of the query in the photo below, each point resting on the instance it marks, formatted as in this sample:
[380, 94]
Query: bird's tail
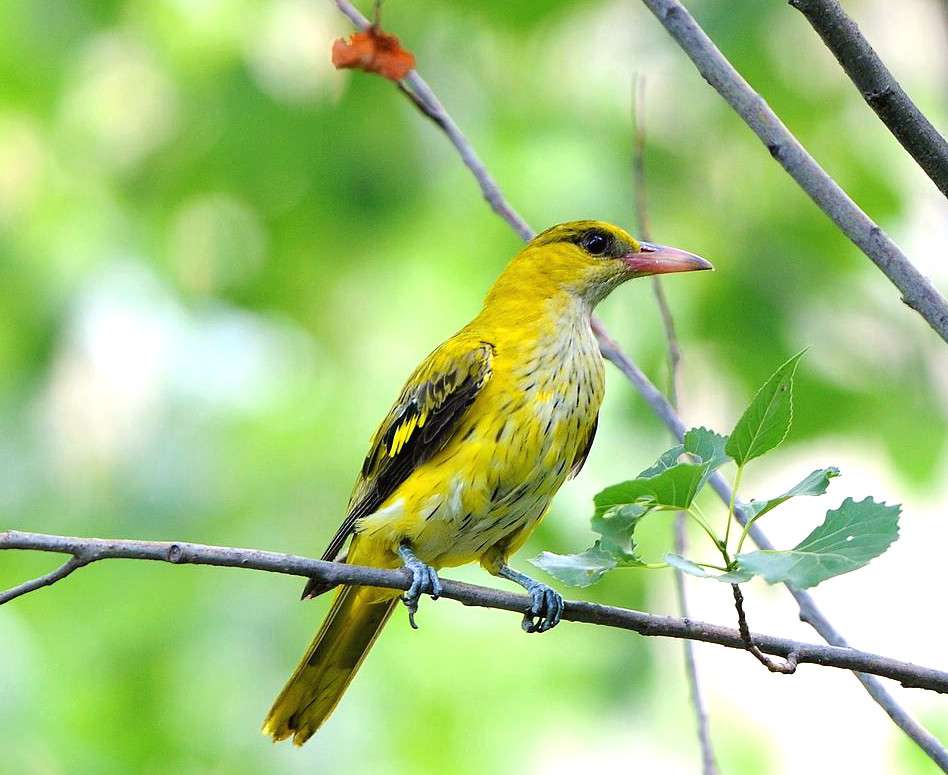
[315, 688]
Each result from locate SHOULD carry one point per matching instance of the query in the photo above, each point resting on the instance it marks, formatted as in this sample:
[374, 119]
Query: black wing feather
[581, 456]
[438, 394]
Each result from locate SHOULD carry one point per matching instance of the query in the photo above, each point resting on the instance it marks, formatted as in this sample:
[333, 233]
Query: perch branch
[809, 612]
[879, 88]
[86, 551]
[917, 291]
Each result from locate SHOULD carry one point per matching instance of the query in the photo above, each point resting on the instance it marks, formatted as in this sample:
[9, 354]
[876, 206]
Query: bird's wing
[423, 419]
[580, 460]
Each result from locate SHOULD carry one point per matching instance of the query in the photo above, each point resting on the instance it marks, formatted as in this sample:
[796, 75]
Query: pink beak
[659, 259]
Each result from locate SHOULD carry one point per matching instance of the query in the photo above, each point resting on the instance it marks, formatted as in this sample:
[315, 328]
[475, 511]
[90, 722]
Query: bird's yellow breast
[518, 442]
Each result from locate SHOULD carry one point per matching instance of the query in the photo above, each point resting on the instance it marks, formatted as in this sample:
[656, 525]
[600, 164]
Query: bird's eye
[595, 243]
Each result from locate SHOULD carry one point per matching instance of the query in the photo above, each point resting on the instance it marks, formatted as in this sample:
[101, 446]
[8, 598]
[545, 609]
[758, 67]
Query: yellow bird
[466, 463]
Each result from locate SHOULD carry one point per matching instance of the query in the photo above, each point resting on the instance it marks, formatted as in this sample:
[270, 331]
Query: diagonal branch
[90, 550]
[418, 91]
[879, 88]
[809, 612]
[708, 764]
[917, 291]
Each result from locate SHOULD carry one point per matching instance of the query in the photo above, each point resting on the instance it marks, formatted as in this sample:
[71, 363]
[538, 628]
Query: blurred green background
[219, 259]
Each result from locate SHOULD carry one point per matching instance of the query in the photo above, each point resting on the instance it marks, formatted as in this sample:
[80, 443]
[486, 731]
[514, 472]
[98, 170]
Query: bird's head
[588, 259]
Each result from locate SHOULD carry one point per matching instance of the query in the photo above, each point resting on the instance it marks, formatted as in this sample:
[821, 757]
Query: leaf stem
[730, 507]
[695, 513]
[744, 533]
[713, 566]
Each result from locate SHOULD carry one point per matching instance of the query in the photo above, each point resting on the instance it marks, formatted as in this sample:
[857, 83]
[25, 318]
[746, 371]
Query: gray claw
[435, 587]
[424, 581]
[546, 609]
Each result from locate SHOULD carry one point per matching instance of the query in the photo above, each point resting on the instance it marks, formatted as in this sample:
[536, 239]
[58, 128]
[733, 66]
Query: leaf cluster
[848, 538]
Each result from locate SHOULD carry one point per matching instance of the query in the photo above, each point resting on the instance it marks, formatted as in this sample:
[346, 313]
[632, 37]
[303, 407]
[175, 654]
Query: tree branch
[708, 764]
[787, 667]
[73, 563]
[415, 87]
[917, 291]
[878, 87]
[85, 551]
[809, 612]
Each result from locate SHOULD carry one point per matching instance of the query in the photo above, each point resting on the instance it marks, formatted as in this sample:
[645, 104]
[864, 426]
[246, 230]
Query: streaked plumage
[483, 435]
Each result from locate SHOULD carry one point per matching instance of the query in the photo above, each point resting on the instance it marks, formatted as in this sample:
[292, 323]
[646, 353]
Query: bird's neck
[525, 318]
[543, 344]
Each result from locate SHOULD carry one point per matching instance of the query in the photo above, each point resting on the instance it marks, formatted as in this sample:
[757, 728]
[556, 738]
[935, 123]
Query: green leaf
[766, 421]
[617, 528]
[673, 488]
[687, 566]
[707, 445]
[814, 484]
[666, 461]
[583, 569]
[849, 537]
[667, 484]
[704, 444]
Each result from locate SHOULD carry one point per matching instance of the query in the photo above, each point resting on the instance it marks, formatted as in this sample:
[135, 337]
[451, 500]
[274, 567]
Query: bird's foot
[424, 581]
[546, 608]
[546, 604]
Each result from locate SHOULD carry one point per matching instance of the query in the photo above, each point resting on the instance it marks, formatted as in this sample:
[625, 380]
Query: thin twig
[809, 612]
[91, 550]
[426, 100]
[878, 87]
[787, 667]
[643, 222]
[422, 106]
[917, 291]
[671, 337]
[644, 228]
[708, 763]
[73, 563]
